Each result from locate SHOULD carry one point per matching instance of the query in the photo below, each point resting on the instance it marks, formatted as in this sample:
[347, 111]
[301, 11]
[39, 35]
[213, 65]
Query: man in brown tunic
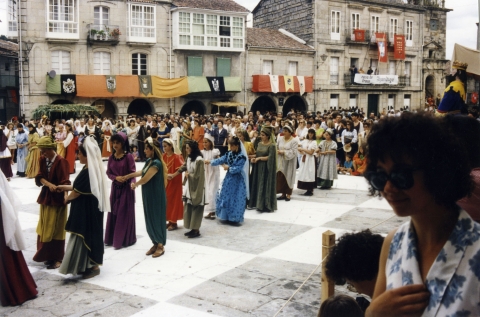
[54, 171]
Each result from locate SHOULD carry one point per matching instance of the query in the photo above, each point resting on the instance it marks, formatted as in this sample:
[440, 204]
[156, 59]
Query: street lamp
[27, 48]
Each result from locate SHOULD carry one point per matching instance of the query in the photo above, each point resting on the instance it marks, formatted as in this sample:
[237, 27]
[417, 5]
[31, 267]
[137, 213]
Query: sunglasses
[401, 179]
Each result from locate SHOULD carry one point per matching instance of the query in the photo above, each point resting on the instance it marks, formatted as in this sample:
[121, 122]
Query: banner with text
[364, 79]
[382, 47]
[399, 47]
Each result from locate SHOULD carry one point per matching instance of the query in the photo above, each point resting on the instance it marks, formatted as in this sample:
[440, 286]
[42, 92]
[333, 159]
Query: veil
[245, 169]
[97, 174]
[11, 224]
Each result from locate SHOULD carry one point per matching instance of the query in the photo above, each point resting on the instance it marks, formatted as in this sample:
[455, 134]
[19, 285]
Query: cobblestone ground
[249, 270]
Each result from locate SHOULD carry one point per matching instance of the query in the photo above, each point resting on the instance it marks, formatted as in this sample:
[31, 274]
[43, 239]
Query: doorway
[373, 104]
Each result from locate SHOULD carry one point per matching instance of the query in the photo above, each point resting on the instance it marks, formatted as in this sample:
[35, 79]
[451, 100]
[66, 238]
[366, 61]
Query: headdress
[329, 131]
[96, 173]
[459, 65]
[11, 204]
[173, 144]
[289, 128]
[209, 137]
[46, 142]
[123, 135]
[159, 154]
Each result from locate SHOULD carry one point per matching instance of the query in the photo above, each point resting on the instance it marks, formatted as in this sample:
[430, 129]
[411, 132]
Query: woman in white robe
[327, 168]
[212, 175]
[306, 175]
[287, 151]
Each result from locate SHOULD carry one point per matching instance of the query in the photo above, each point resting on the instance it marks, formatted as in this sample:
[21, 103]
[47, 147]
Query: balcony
[103, 34]
[403, 81]
[367, 39]
[62, 31]
[8, 81]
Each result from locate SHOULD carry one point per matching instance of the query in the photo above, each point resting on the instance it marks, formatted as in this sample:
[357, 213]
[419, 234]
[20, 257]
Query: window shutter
[223, 67]
[194, 66]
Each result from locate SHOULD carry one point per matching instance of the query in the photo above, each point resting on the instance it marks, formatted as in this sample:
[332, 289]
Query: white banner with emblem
[364, 79]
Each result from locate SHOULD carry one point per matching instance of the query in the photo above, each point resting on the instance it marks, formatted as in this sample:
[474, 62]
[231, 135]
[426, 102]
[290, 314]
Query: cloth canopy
[467, 55]
[261, 83]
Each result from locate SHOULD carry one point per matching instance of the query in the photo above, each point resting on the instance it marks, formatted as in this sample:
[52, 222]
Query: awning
[467, 55]
[228, 104]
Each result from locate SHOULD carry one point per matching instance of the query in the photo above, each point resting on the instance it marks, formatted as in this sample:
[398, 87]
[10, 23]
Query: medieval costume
[174, 186]
[22, 151]
[107, 135]
[212, 177]
[264, 175]
[306, 174]
[70, 144]
[327, 168]
[33, 154]
[85, 247]
[231, 199]
[454, 96]
[286, 164]
[5, 155]
[120, 227]
[53, 211]
[16, 282]
[141, 136]
[60, 136]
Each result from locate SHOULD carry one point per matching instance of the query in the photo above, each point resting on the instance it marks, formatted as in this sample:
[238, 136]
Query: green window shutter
[195, 66]
[223, 67]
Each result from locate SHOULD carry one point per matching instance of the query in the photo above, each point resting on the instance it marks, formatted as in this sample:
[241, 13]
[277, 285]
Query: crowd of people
[417, 162]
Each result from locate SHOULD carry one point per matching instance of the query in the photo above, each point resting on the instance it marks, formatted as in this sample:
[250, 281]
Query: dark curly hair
[340, 306]
[467, 130]
[194, 150]
[355, 257]
[425, 143]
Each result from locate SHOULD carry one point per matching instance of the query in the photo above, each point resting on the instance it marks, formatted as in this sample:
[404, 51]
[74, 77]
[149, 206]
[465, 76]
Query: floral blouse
[454, 278]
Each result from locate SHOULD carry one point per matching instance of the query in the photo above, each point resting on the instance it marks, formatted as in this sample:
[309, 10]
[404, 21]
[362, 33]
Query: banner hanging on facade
[399, 47]
[382, 47]
[359, 35]
[365, 79]
[68, 85]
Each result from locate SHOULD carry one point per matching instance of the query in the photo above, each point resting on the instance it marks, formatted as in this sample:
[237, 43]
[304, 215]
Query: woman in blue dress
[231, 199]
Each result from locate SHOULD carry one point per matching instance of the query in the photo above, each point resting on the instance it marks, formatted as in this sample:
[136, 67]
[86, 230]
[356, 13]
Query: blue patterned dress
[232, 197]
[454, 278]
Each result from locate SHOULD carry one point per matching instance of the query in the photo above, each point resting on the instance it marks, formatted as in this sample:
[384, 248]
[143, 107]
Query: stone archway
[294, 102]
[193, 105]
[62, 102]
[105, 107]
[263, 104]
[140, 107]
[430, 86]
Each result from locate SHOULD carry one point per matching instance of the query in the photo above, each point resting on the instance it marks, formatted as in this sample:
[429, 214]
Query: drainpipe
[172, 101]
[22, 92]
[245, 78]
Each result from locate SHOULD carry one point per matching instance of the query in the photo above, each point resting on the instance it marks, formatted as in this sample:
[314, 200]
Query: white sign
[364, 79]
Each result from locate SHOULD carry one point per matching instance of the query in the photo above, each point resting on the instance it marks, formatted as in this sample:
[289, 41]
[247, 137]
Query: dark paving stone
[253, 236]
[334, 196]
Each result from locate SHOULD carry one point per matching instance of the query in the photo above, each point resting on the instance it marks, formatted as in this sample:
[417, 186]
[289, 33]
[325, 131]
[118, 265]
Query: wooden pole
[328, 286]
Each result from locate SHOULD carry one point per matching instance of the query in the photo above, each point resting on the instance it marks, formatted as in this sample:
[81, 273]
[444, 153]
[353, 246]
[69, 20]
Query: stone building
[9, 101]
[331, 28]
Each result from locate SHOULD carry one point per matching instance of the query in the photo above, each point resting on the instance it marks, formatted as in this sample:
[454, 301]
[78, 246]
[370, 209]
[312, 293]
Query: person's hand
[61, 188]
[66, 201]
[133, 186]
[225, 167]
[120, 179]
[170, 176]
[52, 187]
[254, 160]
[409, 300]
[207, 162]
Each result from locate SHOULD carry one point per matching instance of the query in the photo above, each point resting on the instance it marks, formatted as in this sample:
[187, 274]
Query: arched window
[101, 63]
[139, 64]
[100, 16]
[61, 62]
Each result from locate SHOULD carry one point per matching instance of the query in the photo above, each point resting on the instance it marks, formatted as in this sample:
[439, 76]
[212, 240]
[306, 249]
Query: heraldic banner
[399, 47]
[68, 85]
[216, 84]
[288, 83]
[382, 47]
[145, 83]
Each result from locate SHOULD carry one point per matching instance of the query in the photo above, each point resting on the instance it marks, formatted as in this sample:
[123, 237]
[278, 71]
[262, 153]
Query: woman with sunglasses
[429, 266]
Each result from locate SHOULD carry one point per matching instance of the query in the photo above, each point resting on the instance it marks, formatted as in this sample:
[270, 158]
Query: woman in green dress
[153, 182]
[89, 199]
[263, 189]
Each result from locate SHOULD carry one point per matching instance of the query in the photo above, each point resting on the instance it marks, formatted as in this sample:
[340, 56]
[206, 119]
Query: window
[184, 22]
[355, 21]
[335, 25]
[224, 26]
[391, 102]
[292, 68]
[409, 33]
[212, 24]
[100, 17]
[353, 100]
[142, 21]
[12, 16]
[334, 101]
[223, 67]
[139, 64]
[334, 70]
[393, 28]
[268, 67]
[101, 63]
[62, 16]
[406, 101]
[61, 62]
[374, 27]
[391, 68]
[194, 66]
[354, 61]
[7, 67]
[408, 68]
[374, 64]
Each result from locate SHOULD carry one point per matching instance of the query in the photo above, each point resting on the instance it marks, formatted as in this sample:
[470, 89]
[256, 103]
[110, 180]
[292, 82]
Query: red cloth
[6, 166]
[49, 251]
[59, 175]
[70, 156]
[174, 188]
[16, 283]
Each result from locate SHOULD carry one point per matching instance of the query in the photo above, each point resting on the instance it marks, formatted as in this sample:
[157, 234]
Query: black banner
[68, 85]
[217, 85]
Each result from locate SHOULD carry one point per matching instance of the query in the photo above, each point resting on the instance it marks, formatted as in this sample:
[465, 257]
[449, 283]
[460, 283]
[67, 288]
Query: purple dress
[120, 230]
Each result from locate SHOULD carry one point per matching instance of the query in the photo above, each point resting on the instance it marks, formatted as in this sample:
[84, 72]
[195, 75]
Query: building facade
[9, 101]
[331, 28]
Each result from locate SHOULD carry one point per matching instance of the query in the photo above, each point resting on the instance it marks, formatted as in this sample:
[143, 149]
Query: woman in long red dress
[70, 144]
[174, 185]
[16, 283]
[107, 149]
[198, 134]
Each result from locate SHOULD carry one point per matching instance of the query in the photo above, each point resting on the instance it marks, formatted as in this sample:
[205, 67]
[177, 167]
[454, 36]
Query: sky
[461, 27]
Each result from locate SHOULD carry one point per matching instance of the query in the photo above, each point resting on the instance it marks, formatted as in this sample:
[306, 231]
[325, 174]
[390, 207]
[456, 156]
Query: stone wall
[295, 16]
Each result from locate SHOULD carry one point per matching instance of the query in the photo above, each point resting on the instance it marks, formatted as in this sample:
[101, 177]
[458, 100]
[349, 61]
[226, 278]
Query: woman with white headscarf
[107, 131]
[89, 198]
[212, 175]
[16, 282]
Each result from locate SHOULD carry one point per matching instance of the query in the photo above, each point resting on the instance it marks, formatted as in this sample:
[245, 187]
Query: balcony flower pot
[102, 35]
